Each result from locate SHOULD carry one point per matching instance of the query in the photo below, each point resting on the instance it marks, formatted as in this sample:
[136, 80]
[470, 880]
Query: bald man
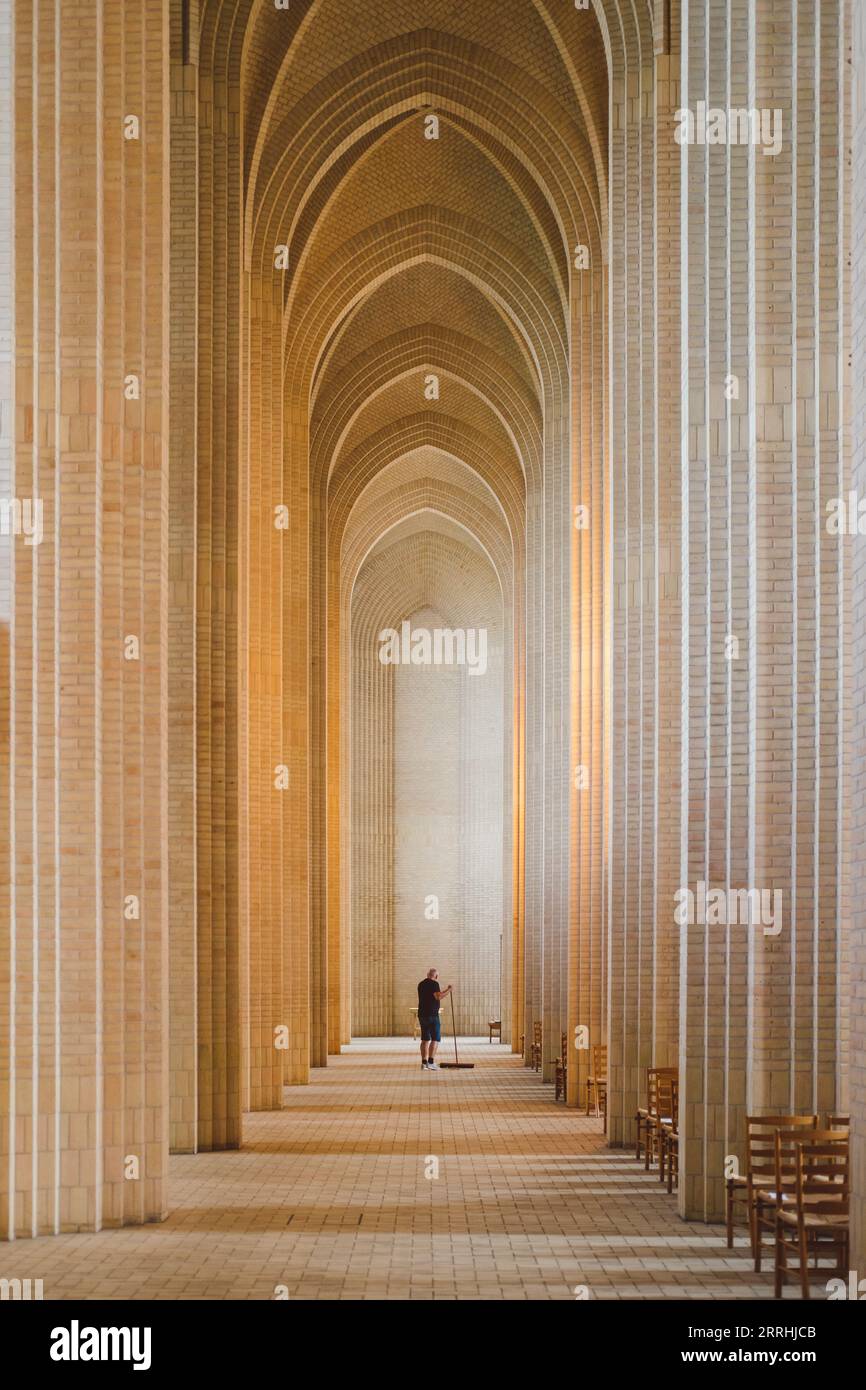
[429, 999]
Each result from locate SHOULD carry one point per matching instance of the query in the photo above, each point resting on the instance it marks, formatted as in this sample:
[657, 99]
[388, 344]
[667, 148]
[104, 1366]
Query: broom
[456, 1065]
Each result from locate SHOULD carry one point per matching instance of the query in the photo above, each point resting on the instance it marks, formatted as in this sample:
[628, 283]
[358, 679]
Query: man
[429, 997]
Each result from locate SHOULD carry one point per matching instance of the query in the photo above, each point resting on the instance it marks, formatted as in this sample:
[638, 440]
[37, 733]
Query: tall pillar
[762, 628]
[855, 755]
[182, 807]
[84, 930]
[642, 502]
[218, 927]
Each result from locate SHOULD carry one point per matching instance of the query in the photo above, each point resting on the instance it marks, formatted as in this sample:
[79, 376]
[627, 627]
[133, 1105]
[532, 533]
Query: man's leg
[424, 1046]
[433, 1046]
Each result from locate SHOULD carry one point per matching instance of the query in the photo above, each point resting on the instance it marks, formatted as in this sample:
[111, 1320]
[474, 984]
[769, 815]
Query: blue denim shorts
[431, 1030]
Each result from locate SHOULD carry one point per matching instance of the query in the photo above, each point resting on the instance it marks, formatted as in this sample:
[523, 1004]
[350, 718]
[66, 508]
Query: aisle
[330, 1199]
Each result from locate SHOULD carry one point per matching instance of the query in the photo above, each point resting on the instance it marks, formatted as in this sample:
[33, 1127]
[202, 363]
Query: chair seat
[737, 1182]
[815, 1222]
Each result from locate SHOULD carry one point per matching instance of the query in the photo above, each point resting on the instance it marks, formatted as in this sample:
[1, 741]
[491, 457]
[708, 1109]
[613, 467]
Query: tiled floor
[331, 1199]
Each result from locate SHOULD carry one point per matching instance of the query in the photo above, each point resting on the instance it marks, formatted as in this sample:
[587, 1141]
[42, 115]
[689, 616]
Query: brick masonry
[582, 287]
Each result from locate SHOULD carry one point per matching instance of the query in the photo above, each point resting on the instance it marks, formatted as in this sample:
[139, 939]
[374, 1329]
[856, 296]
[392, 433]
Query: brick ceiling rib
[419, 569]
[411, 257]
[357, 393]
[429, 486]
[454, 438]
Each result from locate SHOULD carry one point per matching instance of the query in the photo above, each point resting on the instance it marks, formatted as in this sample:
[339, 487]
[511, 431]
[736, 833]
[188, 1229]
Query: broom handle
[454, 1030]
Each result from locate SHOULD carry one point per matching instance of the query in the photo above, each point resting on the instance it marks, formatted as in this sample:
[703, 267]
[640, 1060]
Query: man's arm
[440, 993]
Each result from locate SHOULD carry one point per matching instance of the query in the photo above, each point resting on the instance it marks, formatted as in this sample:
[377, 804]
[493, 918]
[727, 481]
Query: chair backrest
[652, 1086]
[838, 1121]
[599, 1061]
[536, 1032]
[668, 1097]
[822, 1171]
[761, 1143]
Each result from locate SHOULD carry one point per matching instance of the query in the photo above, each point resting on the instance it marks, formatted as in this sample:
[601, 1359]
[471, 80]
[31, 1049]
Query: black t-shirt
[428, 1004]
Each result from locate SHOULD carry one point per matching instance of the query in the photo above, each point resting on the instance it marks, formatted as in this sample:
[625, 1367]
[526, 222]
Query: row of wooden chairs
[795, 1187]
[796, 1183]
[534, 1046]
[596, 1083]
[535, 1049]
[657, 1124]
[560, 1069]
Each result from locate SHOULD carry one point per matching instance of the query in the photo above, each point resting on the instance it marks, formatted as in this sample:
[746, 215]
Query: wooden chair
[816, 1221]
[561, 1069]
[647, 1117]
[737, 1189]
[762, 1192]
[535, 1050]
[494, 1026]
[668, 1129]
[596, 1082]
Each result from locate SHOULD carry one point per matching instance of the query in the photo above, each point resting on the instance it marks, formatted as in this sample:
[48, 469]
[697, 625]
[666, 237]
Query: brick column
[856, 744]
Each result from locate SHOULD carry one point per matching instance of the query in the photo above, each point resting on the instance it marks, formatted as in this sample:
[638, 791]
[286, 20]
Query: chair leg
[729, 1212]
[779, 1277]
[751, 1208]
[757, 1236]
[804, 1263]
